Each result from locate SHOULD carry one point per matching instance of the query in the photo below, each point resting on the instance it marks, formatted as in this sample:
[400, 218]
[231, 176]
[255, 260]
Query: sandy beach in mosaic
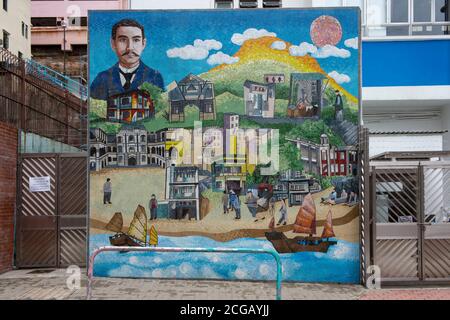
[138, 184]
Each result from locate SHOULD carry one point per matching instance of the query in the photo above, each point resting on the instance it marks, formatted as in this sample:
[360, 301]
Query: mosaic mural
[225, 128]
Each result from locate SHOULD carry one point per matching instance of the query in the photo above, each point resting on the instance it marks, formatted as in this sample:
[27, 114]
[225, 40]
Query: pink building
[47, 32]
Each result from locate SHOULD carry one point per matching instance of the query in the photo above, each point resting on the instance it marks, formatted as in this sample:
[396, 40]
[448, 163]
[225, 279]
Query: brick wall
[8, 168]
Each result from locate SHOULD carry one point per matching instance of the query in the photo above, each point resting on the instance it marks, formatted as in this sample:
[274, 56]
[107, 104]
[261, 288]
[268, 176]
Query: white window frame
[223, 1]
[411, 24]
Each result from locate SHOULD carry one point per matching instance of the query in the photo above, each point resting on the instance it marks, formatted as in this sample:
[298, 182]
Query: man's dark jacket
[107, 83]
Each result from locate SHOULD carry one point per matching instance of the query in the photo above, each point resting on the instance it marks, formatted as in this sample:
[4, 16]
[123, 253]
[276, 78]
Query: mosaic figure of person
[107, 191]
[128, 41]
[338, 106]
[153, 205]
[283, 212]
[225, 202]
[250, 201]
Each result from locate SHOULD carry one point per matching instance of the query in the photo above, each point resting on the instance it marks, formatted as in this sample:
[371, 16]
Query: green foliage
[256, 178]
[351, 115]
[329, 97]
[108, 127]
[156, 95]
[97, 108]
[232, 79]
[290, 158]
[281, 108]
[282, 91]
[325, 182]
[229, 103]
[312, 130]
[327, 115]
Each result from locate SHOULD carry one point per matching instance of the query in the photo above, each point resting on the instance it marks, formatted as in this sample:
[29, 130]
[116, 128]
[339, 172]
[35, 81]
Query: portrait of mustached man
[128, 41]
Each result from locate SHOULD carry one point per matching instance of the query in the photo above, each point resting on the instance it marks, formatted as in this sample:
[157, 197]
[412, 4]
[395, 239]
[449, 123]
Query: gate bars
[51, 228]
[411, 230]
[273, 253]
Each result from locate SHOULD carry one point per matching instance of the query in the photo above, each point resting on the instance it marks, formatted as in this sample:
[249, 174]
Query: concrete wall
[66, 8]
[75, 35]
[11, 21]
[8, 168]
[446, 125]
[208, 4]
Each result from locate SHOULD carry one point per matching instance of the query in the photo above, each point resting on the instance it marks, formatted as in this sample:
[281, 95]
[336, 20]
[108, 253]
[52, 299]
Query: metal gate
[51, 229]
[411, 212]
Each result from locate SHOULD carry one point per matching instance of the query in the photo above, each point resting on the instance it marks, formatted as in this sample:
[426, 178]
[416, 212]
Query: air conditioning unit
[224, 4]
[272, 4]
[248, 4]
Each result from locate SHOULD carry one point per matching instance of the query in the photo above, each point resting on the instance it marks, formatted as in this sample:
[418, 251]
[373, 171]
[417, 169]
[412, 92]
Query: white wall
[397, 118]
[388, 143]
[402, 118]
[11, 22]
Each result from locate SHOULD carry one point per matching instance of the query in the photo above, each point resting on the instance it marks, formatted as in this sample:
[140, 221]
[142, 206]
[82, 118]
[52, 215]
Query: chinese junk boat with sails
[136, 236]
[304, 223]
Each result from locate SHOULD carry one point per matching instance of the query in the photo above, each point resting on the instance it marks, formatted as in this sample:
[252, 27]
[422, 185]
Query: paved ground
[24, 284]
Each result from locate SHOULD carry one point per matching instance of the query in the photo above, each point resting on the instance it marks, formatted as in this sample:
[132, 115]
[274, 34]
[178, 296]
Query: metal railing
[273, 253]
[33, 103]
[66, 83]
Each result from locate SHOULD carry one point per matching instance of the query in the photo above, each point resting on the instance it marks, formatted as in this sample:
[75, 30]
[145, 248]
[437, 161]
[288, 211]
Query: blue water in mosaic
[340, 264]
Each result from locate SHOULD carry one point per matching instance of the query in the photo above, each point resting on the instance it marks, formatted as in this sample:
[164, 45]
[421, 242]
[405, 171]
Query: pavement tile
[407, 294]
[21, 284]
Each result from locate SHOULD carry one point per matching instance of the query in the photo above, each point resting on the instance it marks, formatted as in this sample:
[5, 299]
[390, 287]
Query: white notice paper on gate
[39, 184]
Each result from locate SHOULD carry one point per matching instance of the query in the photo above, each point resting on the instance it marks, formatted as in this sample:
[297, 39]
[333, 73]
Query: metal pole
[64, 72]
[274, 254]
[64, 25]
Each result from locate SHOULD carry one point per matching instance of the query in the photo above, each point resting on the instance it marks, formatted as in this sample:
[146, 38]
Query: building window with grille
[224, 4]
[5, 39]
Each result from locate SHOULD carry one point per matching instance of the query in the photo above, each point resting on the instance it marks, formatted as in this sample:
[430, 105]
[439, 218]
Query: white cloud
[209, 44]
[352, 43]
[331, 51]
[157, 273]
[240, 273]
[198, 51]
[278, 45]
[252, 33]
[157, 260]
[339, 77]
[186, 268]
[302, 50]
[264, 269]
[220, 58]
